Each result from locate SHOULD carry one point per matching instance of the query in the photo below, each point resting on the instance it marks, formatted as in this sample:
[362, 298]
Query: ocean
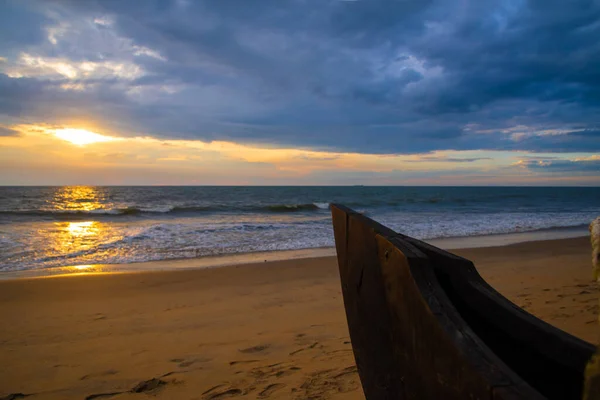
[45, 227]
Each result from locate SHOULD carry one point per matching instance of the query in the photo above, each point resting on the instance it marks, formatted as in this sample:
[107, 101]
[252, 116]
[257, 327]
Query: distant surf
[132, 211]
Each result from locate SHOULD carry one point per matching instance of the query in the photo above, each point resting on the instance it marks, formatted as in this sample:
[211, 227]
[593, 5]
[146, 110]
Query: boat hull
[416, 333]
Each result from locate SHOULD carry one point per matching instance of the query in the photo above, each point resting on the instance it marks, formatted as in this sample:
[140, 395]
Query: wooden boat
[425, 325]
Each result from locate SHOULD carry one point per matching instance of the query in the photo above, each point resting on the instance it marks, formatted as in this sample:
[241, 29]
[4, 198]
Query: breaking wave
[136, 211]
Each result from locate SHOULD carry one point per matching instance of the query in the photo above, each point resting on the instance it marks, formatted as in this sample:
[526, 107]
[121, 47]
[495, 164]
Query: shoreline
[237, 259]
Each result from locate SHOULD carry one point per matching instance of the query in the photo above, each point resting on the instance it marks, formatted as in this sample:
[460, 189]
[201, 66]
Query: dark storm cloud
[370, 76]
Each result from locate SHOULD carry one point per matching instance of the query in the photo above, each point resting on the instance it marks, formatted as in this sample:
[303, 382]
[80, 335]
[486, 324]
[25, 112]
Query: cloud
[576, 167]
[21, 26]
[8, 132]
[385, 76]
[426, 158]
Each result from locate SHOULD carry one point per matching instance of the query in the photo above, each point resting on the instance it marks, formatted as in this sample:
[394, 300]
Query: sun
[80, 137]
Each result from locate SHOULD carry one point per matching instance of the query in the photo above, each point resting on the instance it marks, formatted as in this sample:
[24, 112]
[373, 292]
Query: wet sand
[267, 330]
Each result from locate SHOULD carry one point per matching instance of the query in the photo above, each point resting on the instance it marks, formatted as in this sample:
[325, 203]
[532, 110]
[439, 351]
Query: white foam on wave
[151, 240]
[435, 225]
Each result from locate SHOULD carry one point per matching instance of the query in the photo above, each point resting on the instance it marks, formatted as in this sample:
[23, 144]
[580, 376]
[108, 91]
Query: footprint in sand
[592, 309]
[255, 349]
[150, 386]
[323, 384]
[267, 391]
[272, 371]
[242, 362]
[338, 351]
[102, 395]
[312, 346]
[99, 374]
[15, 396]
[212, 389]
[213, 393]
[187, 362]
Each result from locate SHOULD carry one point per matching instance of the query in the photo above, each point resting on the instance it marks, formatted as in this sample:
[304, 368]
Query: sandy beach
[265, 330]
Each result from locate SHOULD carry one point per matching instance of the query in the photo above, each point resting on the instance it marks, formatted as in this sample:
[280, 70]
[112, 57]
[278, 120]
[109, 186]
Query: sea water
[44, 227]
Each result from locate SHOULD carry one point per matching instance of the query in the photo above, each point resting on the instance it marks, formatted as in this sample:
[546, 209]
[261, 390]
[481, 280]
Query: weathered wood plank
[367, 313]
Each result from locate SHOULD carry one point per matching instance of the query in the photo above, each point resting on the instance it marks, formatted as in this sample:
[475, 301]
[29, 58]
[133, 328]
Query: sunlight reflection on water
[79, 198]
[78, 237]
[83, 267]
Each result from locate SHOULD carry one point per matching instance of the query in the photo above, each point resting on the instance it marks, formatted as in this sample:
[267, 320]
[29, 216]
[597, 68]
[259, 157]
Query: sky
[278, 92]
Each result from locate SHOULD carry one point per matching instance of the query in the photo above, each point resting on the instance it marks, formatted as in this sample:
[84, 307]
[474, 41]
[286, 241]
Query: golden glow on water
[77, 236]
[78, 198]
[83, 267]
[81, 137]
[81, 229]
[81, 236]
[84, 241]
